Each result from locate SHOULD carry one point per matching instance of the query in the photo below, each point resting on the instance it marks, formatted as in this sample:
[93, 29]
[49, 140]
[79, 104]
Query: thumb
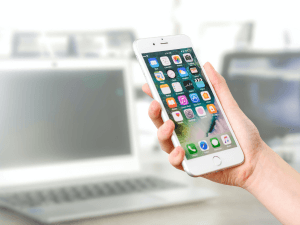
[218, 82]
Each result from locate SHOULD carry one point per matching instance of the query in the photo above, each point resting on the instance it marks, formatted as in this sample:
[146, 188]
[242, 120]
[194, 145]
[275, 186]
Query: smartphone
[178, 82]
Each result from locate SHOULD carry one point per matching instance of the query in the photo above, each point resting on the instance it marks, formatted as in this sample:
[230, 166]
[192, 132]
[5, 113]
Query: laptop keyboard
[88, 191]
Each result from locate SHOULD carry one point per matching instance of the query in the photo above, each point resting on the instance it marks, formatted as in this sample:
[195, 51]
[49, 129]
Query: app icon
[177, 116]
[191, 148]
[177, 87]
[165, 61]
[153, 62]
[176, 59]
[171, 102]
[183, 100]
[159, 75]
[226, 139]
[182, 72]
[215, 142]
[189, 113]
[171, 74]
[200, 111]
[188, 85]
[203, 145]
[165, 89]
[211, 108]
[194, 70]
[199, 82]
[188, 57]
[194, 98]
[205, 95]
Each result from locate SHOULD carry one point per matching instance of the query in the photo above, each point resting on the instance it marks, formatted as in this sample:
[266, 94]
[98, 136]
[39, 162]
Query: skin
[264, 174]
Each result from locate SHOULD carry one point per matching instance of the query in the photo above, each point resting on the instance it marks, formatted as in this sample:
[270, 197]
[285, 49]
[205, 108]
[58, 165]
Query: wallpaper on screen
[199, 128]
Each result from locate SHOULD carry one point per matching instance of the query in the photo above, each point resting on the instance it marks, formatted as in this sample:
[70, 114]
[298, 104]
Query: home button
[217, 161]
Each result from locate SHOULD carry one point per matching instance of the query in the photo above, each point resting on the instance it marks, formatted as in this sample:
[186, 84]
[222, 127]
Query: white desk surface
[233, 206]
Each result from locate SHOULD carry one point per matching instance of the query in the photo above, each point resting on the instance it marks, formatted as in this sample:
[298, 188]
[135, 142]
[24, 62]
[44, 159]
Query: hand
[245, 131]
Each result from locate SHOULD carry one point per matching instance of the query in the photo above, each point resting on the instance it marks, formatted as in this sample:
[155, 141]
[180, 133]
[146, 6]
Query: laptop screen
[52, 116]
[266, 87]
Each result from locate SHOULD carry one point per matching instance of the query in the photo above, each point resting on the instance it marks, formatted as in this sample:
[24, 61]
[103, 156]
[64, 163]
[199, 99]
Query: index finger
[146, 89]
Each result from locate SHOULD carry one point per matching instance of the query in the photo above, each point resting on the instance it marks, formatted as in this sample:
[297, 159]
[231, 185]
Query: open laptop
[68, 143]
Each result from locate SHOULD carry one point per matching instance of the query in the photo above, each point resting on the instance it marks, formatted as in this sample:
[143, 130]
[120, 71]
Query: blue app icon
[199, 82]
[203, 145]
[153, 62]
[182, 72]
[194, 98]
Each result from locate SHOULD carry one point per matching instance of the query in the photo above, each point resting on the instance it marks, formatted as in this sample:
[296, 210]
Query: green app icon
[191, 148]
[215, 142]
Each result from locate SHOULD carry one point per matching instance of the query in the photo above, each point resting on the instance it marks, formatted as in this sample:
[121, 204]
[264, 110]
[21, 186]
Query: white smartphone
[179, 83]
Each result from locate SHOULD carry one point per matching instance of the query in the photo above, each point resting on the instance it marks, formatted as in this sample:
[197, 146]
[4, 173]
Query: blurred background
[255, 45]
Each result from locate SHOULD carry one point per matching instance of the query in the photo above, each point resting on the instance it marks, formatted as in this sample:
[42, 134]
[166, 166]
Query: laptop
[68, 146]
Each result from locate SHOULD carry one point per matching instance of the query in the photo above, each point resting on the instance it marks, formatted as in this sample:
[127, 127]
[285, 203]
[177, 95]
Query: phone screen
[199, 123]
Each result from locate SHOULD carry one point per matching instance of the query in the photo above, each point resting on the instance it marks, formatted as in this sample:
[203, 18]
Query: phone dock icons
[203, 145]
[191, 148]
[215, 142]
[226, 139]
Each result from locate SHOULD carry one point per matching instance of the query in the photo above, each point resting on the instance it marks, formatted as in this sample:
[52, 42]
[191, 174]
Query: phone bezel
[230, 157]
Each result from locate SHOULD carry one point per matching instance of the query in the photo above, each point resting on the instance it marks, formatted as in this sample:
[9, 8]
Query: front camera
[153, 43]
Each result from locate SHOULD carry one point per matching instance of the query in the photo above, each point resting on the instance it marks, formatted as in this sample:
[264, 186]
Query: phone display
[200, 125]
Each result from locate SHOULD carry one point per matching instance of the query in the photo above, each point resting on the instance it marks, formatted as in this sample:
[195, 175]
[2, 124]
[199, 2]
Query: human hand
[245, 131]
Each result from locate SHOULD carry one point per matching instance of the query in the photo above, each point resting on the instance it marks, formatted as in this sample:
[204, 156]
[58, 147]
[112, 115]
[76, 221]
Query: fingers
[220, 87]
[164, 134]
[154, 113]
[234, 114]
[147, 90]
[176, 157]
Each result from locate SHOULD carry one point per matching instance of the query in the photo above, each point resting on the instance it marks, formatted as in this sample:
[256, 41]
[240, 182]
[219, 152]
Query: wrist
[261, 167]
[276, 185]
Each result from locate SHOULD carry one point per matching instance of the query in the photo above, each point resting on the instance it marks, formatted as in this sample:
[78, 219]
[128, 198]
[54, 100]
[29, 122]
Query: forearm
[277, 186]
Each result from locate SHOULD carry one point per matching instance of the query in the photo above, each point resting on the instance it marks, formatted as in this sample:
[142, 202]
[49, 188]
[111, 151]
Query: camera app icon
[188, 57]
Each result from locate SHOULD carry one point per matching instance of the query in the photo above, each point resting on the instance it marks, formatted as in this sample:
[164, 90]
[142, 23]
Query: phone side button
[217, 161]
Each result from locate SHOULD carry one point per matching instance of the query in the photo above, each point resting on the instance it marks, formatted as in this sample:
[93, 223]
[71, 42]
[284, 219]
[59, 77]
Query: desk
[234, 205]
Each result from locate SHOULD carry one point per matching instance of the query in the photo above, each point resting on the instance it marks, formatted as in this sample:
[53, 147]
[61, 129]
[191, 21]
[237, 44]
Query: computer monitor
[267, 88]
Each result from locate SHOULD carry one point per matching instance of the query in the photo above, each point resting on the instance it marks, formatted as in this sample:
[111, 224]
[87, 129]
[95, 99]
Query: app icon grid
[186, 87]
